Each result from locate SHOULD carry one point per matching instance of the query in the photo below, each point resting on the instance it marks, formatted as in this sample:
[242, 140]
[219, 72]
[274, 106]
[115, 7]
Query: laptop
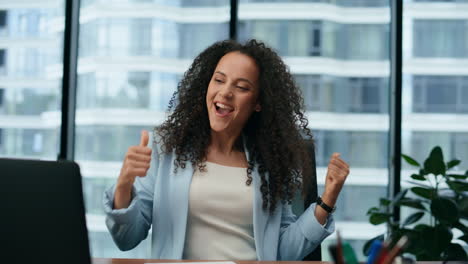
[42, 215]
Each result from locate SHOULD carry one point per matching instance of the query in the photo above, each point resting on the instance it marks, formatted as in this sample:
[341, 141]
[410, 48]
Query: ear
[258, 108]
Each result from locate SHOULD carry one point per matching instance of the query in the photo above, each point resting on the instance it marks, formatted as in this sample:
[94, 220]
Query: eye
[243, 88]
[218, 81]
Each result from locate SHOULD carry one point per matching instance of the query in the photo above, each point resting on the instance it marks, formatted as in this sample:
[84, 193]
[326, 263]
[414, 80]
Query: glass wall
[29, 92]
[131, 58]
[435, 85]
[347, 108]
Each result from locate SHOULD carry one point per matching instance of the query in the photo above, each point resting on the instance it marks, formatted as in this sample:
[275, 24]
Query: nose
[226, 92]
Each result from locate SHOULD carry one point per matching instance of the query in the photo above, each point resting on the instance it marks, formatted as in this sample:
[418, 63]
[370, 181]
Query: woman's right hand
[136, 164]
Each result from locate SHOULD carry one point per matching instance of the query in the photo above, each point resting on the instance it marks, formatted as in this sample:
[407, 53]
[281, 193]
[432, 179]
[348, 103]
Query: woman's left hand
[338, 171]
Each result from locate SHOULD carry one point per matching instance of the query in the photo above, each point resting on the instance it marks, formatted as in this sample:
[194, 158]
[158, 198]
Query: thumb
[335, 155]
[144, 138]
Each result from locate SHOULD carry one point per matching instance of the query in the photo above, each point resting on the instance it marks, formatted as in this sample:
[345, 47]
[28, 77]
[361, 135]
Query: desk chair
[310, 190]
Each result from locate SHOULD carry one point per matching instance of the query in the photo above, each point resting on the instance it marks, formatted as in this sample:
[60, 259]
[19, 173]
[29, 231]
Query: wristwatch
[325, 206]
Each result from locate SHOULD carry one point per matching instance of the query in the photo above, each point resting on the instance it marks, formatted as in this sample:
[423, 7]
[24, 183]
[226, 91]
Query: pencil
[339, 248]
[400, 245]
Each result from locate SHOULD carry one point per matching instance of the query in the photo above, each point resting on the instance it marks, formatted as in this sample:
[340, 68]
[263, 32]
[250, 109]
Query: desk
[142, 261]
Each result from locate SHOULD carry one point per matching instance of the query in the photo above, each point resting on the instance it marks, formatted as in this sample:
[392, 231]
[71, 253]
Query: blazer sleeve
[300, 236]
[129, 226]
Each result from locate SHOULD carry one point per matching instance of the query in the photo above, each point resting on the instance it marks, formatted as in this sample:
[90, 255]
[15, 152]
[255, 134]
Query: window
[357, 148]
[3, 18]
[362, 41]
[442, 1]
[436, 38]
[30, 97]
[320, 38]
[440, 94]
[140, 36]
[434, 98]
[2, 58]
[289, 38]
[310, 86]
[329, 43]
[368, 95]
[337, 94]
[363, 3]
[2, 96]
[195, 37]
[423, 142]
[131, 64]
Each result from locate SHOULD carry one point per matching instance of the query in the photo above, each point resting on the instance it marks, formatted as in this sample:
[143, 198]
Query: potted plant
[439, 204]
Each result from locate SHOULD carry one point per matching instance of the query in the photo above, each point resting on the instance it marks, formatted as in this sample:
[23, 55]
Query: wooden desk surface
[142, 261]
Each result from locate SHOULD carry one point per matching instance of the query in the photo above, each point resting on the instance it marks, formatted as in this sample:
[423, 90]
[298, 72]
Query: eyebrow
[239, 79]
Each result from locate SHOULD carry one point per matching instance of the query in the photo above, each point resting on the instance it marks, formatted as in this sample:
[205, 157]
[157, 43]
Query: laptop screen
[42, 212]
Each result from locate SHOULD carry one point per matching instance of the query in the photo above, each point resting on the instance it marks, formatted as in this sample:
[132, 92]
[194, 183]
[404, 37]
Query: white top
[220, 218]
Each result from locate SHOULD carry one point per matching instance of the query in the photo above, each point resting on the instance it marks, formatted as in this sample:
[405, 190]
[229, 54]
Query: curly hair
[274, 136]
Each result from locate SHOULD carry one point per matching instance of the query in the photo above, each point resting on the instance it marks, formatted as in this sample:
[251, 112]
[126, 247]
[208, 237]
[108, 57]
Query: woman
[222, 170]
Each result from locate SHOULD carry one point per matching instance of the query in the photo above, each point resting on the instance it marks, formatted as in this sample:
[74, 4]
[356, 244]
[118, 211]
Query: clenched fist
[136, 164]
[337, 173]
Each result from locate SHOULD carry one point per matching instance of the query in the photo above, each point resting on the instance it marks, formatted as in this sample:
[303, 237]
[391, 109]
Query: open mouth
[223, 110]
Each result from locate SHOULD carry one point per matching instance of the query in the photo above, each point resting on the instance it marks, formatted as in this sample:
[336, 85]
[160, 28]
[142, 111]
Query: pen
[339, 249]
[374, 251]
[383, 252]
[349, 254]
[400, 245]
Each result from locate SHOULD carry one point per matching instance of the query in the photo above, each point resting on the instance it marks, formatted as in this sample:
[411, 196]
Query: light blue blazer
[161, 200]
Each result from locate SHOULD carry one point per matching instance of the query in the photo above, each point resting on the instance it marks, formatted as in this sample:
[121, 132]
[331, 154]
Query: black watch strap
[325, 207]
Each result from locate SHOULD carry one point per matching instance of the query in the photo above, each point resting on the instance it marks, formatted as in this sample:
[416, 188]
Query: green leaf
[441, 238]
[434, 240]
[435, 163]
[463, 207]
[410, 160]
[461, 227]
[385, 202]
[436, 153]
[445, 210]
[422, 227]
[458, 186]
[418, 177]
[457, 176]
[419, 184]
[413, 203]
[372, 210]
[464, 238]
[399, 196]
[423, 172]
[452, 164]
[427, 193]
[366, 248]
[379, 218]
[413, 218]
[455, 252]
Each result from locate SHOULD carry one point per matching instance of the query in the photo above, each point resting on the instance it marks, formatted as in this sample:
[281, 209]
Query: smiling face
[233, 93]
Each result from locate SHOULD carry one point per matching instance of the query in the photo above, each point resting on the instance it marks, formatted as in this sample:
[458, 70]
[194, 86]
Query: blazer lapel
[180, 192]
[260, 216]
